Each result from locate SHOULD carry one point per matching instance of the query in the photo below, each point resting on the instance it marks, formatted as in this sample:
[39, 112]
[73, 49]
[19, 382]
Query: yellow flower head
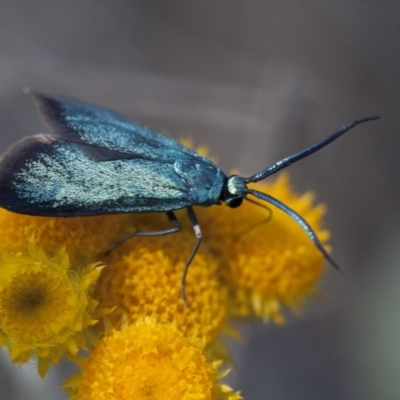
[45, 307]
[268, 265]
[148, 361]
[85, 238]
[144, 279]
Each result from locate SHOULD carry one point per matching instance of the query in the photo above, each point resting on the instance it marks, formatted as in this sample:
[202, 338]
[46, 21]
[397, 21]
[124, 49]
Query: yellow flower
[85, 238]
[144, 279]
[271, 265]
[148, 361]
[45, 307]
[249, 265]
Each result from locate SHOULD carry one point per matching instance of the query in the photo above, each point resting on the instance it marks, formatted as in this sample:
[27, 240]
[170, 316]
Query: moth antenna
[285, 162]
[300, 220]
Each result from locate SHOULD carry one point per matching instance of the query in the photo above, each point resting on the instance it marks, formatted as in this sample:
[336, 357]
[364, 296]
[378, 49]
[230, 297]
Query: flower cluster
[121, 317]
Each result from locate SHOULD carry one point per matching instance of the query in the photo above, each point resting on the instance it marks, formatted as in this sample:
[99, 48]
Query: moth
[97, 162]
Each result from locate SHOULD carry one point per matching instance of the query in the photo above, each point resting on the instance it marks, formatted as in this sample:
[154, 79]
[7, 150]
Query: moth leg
[197, 232]
[176, 226]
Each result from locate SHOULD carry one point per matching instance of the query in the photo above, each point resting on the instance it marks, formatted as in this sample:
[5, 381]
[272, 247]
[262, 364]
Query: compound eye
[234, 202]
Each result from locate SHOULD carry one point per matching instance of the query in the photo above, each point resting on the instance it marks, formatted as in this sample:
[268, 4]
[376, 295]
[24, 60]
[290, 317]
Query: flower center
[30, 301]
[37, 305]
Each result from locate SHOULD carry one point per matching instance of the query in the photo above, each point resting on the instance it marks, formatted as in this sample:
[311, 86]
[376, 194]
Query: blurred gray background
[255, 80]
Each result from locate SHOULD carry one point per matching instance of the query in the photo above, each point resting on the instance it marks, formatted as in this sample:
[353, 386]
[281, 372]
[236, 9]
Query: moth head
[235, 191]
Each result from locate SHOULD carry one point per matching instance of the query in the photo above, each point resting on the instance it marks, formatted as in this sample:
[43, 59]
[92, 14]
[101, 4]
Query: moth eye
[234, 202]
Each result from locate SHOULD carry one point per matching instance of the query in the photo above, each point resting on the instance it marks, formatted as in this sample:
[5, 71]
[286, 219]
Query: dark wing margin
[49, 111]
[54, 116]
[12, 162]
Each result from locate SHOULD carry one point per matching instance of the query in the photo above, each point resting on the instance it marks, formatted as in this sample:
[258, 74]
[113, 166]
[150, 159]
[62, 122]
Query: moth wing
[76, 121]
[42, 175]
